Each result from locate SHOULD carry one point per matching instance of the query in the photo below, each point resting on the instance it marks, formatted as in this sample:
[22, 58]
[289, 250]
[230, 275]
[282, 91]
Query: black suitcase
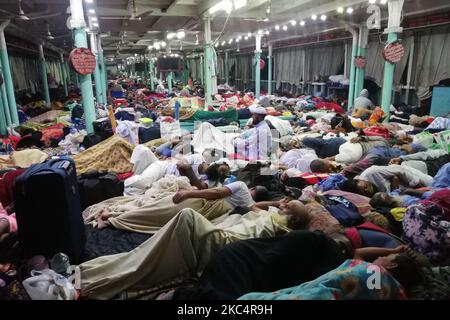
[97, 186]
[47, 203]
[91, 140]
[103, 128]
[148, 134]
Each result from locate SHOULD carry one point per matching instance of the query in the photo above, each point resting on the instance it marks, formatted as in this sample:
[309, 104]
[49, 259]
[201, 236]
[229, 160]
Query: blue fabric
[347, 282]
[324, 148]
[123, 116]
[442, 177]
[333, 182]
[344, 211]
[22, 116]
[387, 152]
[373, 238]
[229, 180]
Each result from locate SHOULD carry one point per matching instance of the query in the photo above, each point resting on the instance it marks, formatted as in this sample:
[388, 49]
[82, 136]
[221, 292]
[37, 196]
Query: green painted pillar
[388, 80]
[257, 75]
[351, 90]
[64, 76]
[151, 66]
[97, 77]
[43, 72]
[3, 123]
[104, 79]
[202, 81]
[362, 50]
[169, 81]
[257, 67]
[98, 82]
[103, 74]
[208, 63]
[227, 74]
[269, 71]
[87, 94]
[7, 110]
[9, 85]
[4, 108]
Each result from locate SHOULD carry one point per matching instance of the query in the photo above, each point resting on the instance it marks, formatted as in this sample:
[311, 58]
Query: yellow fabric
[398, 213]
[25, 158]
[113, 154]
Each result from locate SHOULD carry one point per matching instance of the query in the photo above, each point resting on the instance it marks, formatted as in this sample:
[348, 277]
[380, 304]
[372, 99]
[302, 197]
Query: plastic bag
[424, 138]
[49, 285]
[443, 139]
[170, 130]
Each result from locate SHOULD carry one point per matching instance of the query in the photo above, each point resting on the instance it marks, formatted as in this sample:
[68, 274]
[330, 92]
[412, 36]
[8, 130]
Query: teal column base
[388, 81]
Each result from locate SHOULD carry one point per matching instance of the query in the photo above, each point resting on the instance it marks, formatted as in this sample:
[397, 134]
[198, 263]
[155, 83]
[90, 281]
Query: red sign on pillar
[82, 60]
[394, 52]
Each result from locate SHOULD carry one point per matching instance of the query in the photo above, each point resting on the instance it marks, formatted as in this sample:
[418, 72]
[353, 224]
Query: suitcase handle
[37, 167]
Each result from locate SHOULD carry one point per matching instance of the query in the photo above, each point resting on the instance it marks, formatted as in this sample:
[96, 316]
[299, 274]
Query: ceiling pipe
[36, 40]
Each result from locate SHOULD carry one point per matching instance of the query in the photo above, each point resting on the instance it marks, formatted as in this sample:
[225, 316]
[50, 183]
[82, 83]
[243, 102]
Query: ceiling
[130, 26]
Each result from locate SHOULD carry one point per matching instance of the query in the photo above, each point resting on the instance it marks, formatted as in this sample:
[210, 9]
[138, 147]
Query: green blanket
[230, 115]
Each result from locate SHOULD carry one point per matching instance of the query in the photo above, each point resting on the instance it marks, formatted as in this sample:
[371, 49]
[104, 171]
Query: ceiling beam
[177, 11]
[288, 6]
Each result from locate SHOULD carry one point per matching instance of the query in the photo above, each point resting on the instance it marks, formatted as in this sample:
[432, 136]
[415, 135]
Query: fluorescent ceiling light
[293, 22]
[171, 35]
[285, 28]
[239, 4]
[302, 23]
[91, 11]
[94, 18]
[340, 10]
[323, 17]
[95, 24]
[349, 10]
[181, 34]
[314, 17]
[277, 27]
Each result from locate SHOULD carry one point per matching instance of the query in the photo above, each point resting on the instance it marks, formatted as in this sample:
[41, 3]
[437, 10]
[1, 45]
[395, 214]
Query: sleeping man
[148, 169]
[148, 213]
[178, 252]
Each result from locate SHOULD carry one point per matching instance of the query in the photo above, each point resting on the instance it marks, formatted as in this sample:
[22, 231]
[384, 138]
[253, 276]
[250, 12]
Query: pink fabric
[11, 219]
[361, 202]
